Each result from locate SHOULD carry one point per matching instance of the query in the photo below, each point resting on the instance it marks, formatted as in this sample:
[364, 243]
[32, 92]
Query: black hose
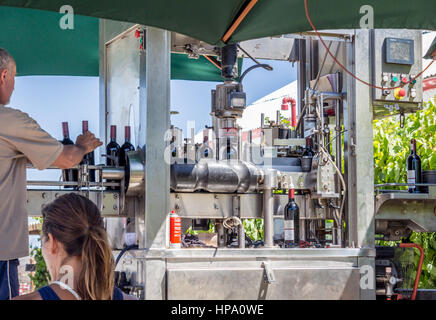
[131, 247]
[265, 66]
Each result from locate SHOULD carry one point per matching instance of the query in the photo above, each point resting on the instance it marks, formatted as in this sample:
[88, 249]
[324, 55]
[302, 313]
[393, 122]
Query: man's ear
[3, 75]
[53, 244]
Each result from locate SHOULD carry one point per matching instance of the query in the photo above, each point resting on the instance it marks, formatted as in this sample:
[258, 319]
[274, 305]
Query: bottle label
[289, 230]
[411, 178]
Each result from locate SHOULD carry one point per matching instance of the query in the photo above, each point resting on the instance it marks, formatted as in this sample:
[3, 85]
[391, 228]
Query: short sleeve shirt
[21, 141]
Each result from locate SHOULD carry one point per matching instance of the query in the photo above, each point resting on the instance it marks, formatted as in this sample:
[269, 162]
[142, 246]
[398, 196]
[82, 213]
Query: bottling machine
[236, 174]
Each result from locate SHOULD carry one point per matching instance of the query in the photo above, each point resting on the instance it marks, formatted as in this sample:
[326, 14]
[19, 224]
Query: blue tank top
[47, 293]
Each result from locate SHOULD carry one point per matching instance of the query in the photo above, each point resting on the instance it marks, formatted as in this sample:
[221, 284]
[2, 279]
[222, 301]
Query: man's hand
[73, 154]
[88, 142]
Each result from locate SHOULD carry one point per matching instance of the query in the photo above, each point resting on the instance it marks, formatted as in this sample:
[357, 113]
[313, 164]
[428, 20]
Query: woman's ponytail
[96, 280]
[76, 222]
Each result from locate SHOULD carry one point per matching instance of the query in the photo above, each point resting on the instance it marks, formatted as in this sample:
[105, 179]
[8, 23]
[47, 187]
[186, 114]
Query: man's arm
[71, 155]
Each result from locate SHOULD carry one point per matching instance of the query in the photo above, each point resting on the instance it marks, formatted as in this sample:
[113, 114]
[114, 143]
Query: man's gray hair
[5, 59]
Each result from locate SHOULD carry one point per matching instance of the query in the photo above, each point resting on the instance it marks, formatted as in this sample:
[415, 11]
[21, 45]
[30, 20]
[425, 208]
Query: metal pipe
[241, 235]
[268, 212]
[113, 173]
[70, 184]
[221, 233]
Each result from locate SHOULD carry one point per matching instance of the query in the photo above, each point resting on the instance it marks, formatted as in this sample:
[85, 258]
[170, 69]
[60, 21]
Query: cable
[340, 177]
[265, 66]
[268, 67]
[131, 247]
[346, 70]
[231, 225]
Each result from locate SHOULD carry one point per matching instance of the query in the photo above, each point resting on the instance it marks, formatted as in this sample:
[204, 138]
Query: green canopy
[208, 20]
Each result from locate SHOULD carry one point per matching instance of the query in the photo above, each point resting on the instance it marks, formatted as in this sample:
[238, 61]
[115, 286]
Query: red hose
[421, 260]
[293, 102]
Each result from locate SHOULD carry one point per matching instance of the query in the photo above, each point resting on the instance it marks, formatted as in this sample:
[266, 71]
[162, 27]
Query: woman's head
[73, 229]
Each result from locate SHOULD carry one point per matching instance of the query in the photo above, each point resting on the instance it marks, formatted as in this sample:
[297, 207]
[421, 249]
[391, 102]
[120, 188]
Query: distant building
[268, 105]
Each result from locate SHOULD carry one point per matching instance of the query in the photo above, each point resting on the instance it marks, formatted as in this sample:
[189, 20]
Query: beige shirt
[21, 140]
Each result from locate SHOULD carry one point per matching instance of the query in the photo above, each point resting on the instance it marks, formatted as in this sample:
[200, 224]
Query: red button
[404, 80]
[402, 92]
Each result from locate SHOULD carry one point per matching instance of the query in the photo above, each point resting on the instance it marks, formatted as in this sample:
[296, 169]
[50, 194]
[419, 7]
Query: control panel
[396, 61]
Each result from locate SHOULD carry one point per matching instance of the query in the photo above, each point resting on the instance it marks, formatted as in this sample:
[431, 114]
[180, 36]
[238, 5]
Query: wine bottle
[68, 175]
[126, 147]
[113, 152]
[89, 158]
[113, 149]
[306, 159]
[413, 168]
[292, 221]
[308, 152]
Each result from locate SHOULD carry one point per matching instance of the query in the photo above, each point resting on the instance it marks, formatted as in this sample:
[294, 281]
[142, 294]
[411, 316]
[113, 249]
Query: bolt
[43, 195]
[115, 207]
[56, 195]
[115, 195]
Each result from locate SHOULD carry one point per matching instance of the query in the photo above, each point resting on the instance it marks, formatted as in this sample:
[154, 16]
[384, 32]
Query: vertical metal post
[157, 182]
[359, 150]
[158, 65]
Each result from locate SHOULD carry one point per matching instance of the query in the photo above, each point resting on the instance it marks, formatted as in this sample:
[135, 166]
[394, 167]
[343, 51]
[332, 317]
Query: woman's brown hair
[76, 222]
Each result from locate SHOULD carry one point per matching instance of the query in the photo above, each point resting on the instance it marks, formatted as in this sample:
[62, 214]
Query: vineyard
[391, 149]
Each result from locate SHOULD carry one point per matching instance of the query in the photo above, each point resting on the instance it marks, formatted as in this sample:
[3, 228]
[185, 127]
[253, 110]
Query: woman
[77, 253]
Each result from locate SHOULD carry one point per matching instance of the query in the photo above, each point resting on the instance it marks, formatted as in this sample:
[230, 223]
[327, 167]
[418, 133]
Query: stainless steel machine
[246, 175]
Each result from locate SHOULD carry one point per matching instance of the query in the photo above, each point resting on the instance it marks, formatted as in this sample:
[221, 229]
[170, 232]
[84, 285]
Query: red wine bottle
[89, 158]
[292, 221]
[113, 152]
[126, 147]
[113, 149]
[413, 168]
[68, 175]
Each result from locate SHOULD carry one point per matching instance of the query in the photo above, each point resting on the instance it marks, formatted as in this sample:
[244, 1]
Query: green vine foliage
[41, 276]
[391, 149]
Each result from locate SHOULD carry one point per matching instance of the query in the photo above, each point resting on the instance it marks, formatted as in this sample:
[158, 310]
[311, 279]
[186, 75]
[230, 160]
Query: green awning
[208, 20]
[41, 47]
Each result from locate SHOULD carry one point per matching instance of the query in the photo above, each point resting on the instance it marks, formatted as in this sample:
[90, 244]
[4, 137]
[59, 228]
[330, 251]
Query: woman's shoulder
[30, 296]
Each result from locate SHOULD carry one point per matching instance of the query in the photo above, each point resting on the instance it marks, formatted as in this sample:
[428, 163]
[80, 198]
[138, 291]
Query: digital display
[399, 51]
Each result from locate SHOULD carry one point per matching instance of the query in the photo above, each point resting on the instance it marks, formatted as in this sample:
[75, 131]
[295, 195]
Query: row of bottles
[115, 155]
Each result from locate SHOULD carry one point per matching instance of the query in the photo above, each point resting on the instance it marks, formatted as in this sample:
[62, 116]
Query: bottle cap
[127, 132]
[113, 132]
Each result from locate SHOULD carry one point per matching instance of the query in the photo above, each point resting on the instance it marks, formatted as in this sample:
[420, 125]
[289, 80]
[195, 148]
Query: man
[21, 141]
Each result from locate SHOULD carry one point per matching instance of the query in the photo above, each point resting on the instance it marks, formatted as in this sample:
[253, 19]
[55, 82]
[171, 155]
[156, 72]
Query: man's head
[8, 71]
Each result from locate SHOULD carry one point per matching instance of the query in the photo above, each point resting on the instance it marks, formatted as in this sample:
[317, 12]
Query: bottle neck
[413, 147]
[291, 194]
[127, 133]
[113, 133]
[84, 126]
[65, 130]
[308, 143]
